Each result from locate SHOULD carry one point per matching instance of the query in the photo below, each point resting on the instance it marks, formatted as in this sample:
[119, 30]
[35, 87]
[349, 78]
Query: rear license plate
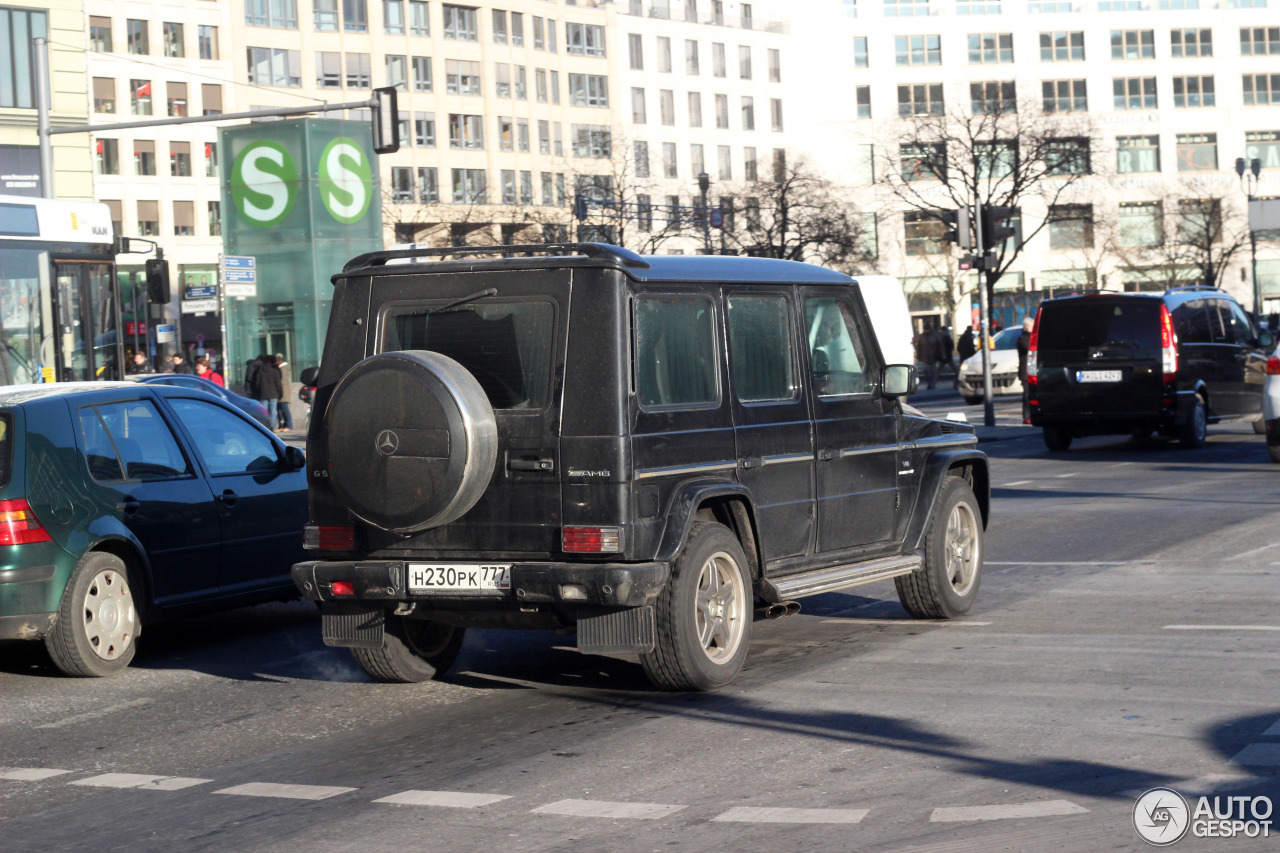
[1098, 376]
[455, 577]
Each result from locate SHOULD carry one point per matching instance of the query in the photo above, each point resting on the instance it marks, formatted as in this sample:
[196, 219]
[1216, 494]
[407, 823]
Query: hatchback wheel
[97, 628]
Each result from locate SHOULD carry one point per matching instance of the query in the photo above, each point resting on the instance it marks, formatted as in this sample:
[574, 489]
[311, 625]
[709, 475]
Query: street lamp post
[704, 184]
[1249, 183]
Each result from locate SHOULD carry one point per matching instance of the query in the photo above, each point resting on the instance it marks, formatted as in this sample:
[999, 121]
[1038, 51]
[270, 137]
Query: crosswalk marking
[601, 808]
[30, 774]
[748, 814]
[288, 792]
[447, 799]
[1259, 755]
[139, 780]
[1043, 808]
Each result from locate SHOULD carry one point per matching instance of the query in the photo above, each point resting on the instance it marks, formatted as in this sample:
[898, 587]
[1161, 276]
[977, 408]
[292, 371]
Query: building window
[590, 140]
[775, 65]
[502, 80]
[328, 70]
[180, 159]
[108, 156]
[325, 16]
[749, 169]
[176, 96]
[719, 67]
[469, 187]
[639, 114]
[555, 87]
[358, 73]
[517, 29]
[1190, 43]
[355, 16]
[775, 114]
[664, 54]
[744, 62]
[584, 39]
[544, 136]
[402, 185]
[506, 134]
[923, 233]
[461, 78]
[1134, 93]
[1265, 146]
[1137, 154]
[905, 8]
[559, 140]
[526, 187]
[1261, 89]
[860, 59]
[104, 94]
[1067, 156]
[992, 98]
[989, 48]
[100, 40]
[271, 13]
[690, 57]
[635, 50]
[1120, 5]
[921, 99]
[539, 34]
[211, 98]
[1133, 44]
[669, 169]
[508, 186]
[1141, 223]
[641, 159]
[667, 107]
[1064, 96]
[1062, 47]
[140, 97]
[499, 26]
[211, 159]
[144, 157]
[724, 162]
[977, 7]
[697, 164]
[548, 197]
[174, 42]
[460, 25]
[397, 72]
[424, 130]
[588, 90]
[207, 38]
[923, 162]
[419, 19]
[1260, 41]
[393, 22]
[1199, 220]
[1193, 91]
[862, 100]
[918, 50]
[466, 131]
[148, 218]
[1071, 226]
[695, 109]
[1197, 152]
[422, 81]
[722, 111]
[214, 211]
[138, 41]
[272, 67]
[748, 113]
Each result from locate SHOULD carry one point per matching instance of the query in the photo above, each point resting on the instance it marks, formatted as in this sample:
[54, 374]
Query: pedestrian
[180, 364]
[268, 385]
[949, 349]
[929, 353]
[205, 371]
[1024, 347]
[965, 347]
[139, 364]
[285, 420]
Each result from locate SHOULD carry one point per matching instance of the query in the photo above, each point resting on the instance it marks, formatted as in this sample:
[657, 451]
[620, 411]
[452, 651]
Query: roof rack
[604, 251]
[1192, 287]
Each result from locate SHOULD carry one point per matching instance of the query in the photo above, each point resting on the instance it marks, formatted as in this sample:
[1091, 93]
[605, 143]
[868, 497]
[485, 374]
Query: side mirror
[1266, 340]
[308, 376]
[899, 380]
[294, 458]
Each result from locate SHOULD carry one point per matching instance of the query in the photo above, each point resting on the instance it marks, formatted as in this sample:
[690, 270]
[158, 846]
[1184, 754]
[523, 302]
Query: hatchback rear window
[6, 448]
[1089, 323]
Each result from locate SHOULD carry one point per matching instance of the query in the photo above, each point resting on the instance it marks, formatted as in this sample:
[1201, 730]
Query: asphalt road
[1126, 635]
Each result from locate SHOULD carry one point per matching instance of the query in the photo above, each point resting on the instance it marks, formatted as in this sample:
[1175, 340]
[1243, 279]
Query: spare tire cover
[411, 440]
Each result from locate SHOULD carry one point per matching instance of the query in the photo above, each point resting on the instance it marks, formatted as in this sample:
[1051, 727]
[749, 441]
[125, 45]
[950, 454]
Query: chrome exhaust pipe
[792, 608]
[772, 611]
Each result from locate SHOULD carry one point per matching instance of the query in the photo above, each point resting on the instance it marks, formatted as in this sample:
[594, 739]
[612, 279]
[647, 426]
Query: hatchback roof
[16, 395]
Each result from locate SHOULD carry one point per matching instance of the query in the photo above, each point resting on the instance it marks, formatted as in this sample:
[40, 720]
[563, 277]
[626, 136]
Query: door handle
[129, 505]
[751, 462]
[541, 464]
[228, 498]
[827, 454]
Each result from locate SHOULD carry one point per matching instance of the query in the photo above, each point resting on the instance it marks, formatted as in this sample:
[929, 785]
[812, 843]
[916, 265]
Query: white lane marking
[1045, 808]
[1255, 551]
[1221, 628]
[856, 621]
[139, 780]
[1062, 562]
[745, 814]
[289, 792]
[1274, 731]
[447, 799]
[1259, 755]
[176, 783]
[29, 774]
[1201, 785]
[93, 715]
[1015, 483]
[601, 808]
[1072, 474]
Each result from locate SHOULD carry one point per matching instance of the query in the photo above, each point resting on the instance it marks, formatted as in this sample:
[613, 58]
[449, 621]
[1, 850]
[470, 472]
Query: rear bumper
[605, 584]
[1075, 414]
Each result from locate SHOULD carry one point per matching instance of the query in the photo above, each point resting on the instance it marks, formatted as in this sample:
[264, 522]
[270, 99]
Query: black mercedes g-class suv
[639, 448]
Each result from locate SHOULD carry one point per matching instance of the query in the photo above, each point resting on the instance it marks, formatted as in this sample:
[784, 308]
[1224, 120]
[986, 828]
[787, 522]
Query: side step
[839, 577]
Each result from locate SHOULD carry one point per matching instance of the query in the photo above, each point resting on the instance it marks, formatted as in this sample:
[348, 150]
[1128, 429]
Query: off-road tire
[69, 642]
[679, 660]
[1057, 439]
[929, 593]
[413, 650]
[1192, 434]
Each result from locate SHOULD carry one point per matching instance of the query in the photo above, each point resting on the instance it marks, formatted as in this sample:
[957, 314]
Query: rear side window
[1191, 323]
[506, 346]
[1236, 326]
[131, 435]
[675, 357]
[6, 448]
[760, 348]
[1088, 323]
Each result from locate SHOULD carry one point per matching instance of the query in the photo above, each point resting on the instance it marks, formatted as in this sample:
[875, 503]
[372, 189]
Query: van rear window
[1087, 323]
[6, 448]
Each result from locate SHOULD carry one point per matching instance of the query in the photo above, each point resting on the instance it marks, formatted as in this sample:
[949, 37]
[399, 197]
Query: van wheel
[1273, 450]
[948, 583]
[413, 650]
[1191, 435]
[1057, 439]
[704, 615]
[97, 629]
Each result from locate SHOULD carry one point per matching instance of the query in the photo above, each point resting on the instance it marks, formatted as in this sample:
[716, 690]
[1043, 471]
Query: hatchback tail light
[19, 525]
[1168, 346]
[1273, 366]
[1033, 360]
[329, 537]
[591, 540]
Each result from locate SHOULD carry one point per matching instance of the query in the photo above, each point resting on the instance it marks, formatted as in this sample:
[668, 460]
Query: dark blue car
[122, 504]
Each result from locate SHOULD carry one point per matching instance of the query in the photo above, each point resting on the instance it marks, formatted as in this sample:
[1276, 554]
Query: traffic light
[997, 226]
[386, 121]
[961, 232]
[580, 207]
[158, 281]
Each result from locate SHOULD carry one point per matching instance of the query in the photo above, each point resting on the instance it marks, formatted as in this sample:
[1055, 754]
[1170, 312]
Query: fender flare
[683, 506]
[119, 540]
[931, 479]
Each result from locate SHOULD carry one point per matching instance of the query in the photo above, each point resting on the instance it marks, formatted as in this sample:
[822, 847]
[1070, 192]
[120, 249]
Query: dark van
[1115, 363]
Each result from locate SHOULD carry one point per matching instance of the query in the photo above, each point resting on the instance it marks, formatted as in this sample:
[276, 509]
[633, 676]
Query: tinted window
[1191, 323]
[837, 353]
[228, 444]
[1236, 325]
[505, 345]
[99, 452]
[6, 448]
[143, 441]
[675, 359]
[760, 348]
[1008, 339]
[1087, 323]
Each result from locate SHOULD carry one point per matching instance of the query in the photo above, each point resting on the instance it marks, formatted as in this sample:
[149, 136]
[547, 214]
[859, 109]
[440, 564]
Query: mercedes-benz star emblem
[387, 442]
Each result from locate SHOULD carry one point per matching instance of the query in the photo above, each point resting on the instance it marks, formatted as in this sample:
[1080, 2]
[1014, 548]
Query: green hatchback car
[122, 504]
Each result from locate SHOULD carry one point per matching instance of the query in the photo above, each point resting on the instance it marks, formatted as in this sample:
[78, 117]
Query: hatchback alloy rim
[110, 618]
[720, 608]
[962, 548]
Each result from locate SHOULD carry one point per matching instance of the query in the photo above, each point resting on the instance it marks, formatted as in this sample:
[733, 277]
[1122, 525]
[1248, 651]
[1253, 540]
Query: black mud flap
[354, 626]
[629, 631]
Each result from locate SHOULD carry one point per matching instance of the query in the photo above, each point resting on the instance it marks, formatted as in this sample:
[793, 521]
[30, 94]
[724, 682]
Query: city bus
[59, 309]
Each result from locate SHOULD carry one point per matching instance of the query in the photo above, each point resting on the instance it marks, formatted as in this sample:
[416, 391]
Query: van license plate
[454, 577]
[1098, 376]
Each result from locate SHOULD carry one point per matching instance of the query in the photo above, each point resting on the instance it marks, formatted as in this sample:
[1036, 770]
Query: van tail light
[329, 538]
[1168, 346]
[19, 525]
[1273, 366]
[1033, 360]
[591, 540]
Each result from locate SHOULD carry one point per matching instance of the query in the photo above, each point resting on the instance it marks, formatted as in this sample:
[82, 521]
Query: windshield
[1008, 339]
[1089, 322]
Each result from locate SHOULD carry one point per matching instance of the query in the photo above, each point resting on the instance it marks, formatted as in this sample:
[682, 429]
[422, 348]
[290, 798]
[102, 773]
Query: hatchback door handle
[228, 498]
[129, 505]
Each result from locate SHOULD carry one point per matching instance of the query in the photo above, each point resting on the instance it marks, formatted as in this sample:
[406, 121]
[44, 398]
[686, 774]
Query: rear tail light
[19, 525]
[1273, 366]
[1168, 346]
[591, 540]
[328, 538]
[342, 588]
[1033, 360]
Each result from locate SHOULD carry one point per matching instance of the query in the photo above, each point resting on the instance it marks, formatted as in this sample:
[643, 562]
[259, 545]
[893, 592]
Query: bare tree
[406, 220]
